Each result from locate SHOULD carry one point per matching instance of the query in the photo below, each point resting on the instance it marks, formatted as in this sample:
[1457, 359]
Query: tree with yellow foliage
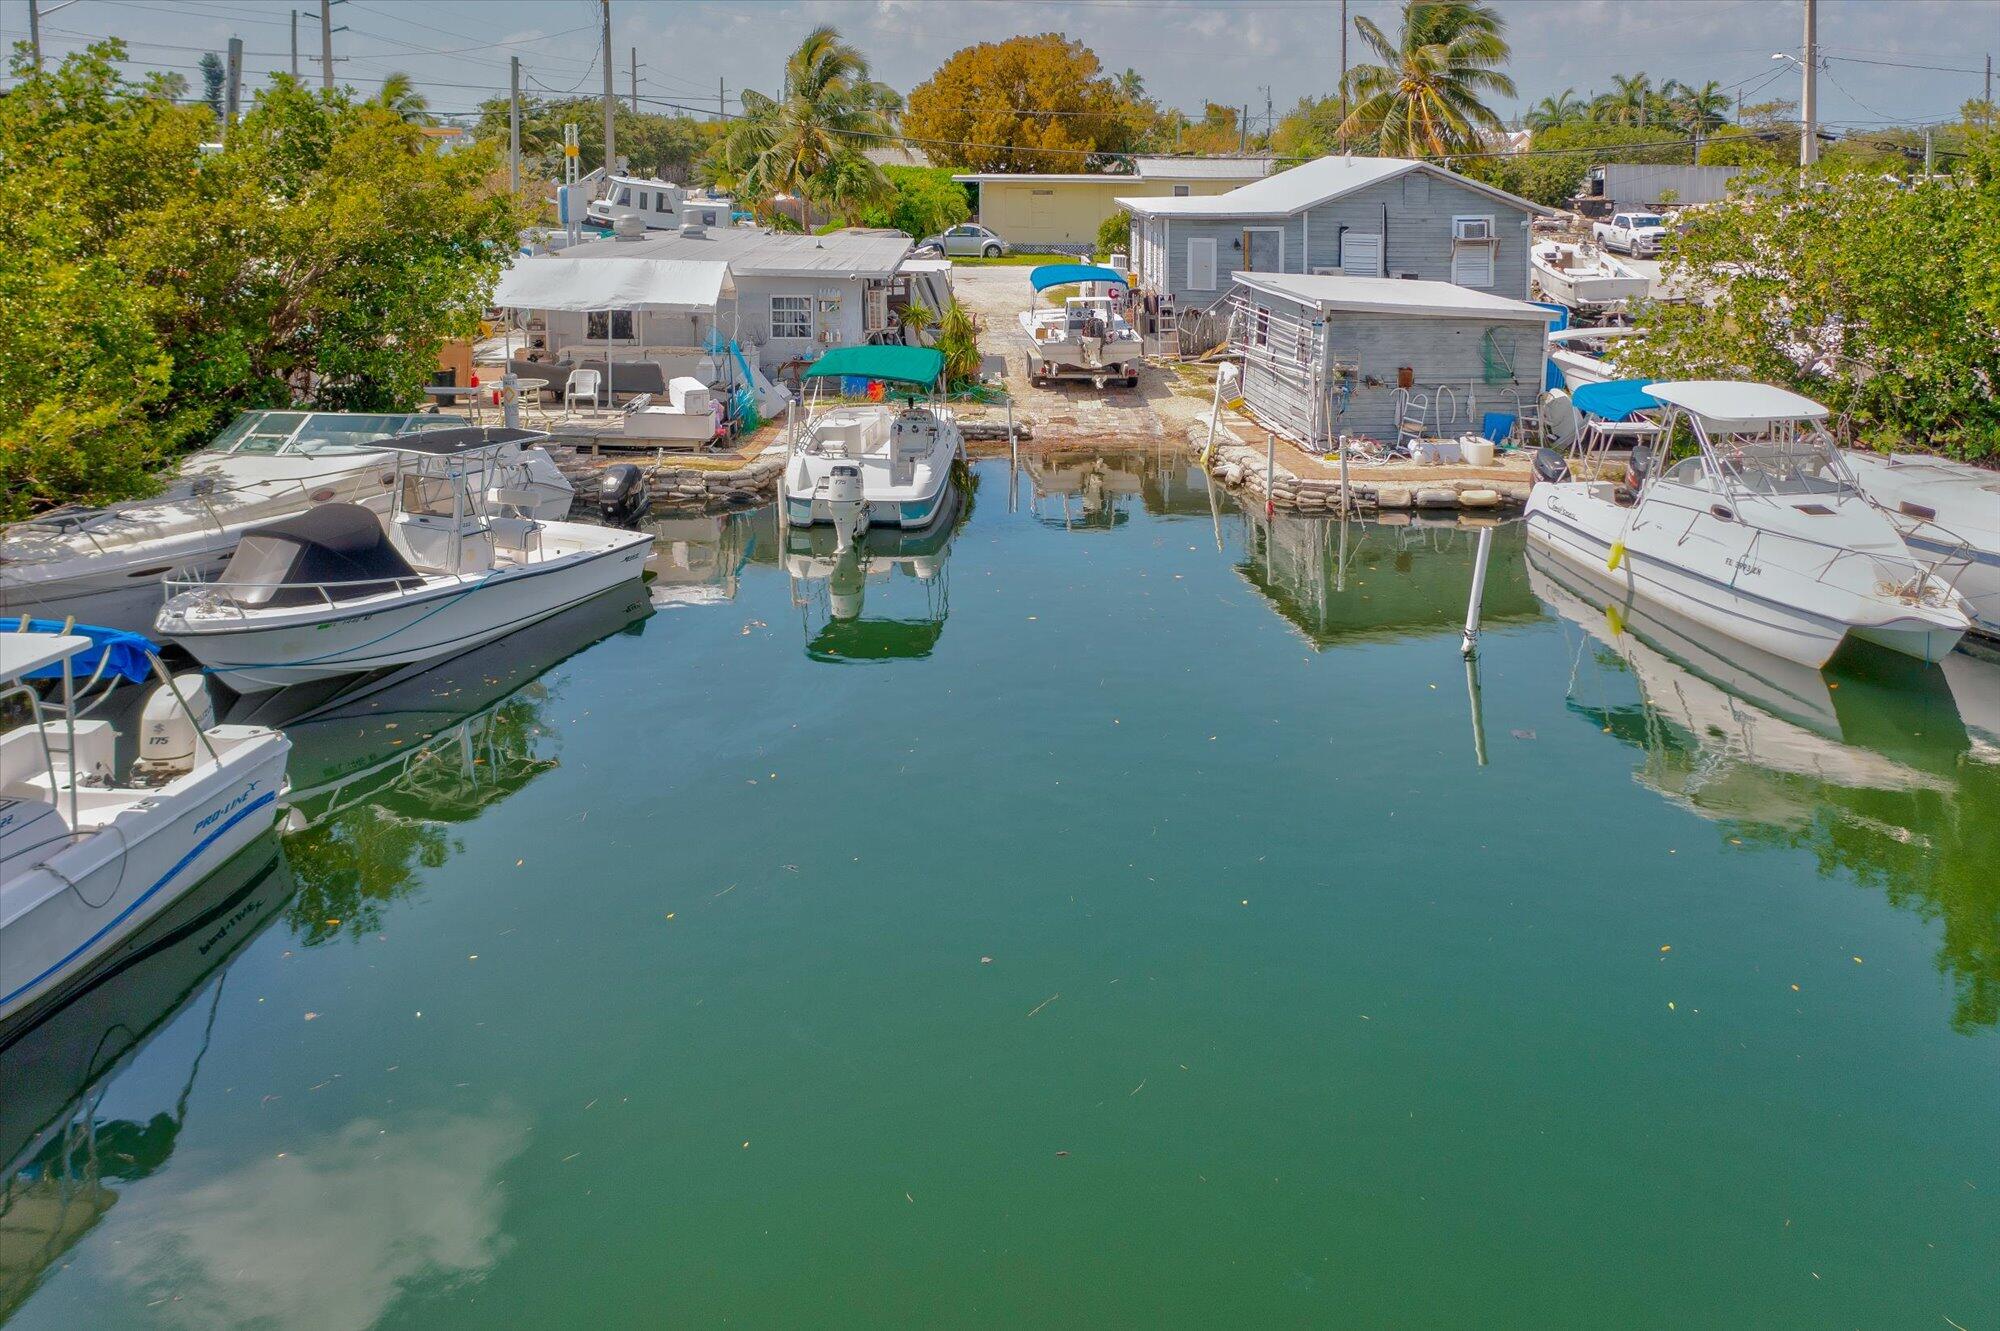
[1040, 103]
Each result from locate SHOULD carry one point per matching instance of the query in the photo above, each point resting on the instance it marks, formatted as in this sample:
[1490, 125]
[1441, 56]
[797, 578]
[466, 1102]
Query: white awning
[669, 286]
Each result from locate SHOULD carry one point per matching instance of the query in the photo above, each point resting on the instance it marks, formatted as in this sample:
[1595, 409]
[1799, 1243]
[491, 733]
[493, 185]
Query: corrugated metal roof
[1042, 178]
[753, 252]
[1391, 295]
[1203, 168]
[1307, 185]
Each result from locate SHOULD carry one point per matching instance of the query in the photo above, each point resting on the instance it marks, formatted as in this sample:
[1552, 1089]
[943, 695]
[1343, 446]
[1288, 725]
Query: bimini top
[1615, 399]
[23, 654]
[1059, 274]
[338, 547]
[1735, 406]
[450, 443]
[901, 365]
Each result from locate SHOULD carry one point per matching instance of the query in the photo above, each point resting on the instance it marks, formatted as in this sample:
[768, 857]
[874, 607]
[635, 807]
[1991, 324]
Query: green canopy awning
[902, 365]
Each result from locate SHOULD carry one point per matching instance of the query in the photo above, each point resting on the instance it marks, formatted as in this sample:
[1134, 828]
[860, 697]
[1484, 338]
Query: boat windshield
[308, 432]
[1786, 459]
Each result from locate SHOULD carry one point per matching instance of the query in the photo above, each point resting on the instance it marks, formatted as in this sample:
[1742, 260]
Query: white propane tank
[169, 725]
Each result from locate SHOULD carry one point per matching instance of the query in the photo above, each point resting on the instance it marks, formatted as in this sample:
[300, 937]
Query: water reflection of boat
[830, 588]
[1878, 770]
[1343, 580]
[61, 1156]
[1086, 493]
[698, 560]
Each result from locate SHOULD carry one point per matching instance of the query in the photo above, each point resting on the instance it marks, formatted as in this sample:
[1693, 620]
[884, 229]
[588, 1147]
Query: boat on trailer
[88, 856]
[873, 463]
[1087, 337]
[1761, 535]
[340, 589]
[1949, 514]
[104, 566]
[1588, 355]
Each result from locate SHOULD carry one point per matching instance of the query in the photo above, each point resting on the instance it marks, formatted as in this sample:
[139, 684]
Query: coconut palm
[399, 95]
[1565, 108]
[1423, 98]
[1627, 103]
[1700, 109]
[832, 111]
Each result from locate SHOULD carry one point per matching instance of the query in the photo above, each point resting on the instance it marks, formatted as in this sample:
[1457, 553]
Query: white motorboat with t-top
[103, 565]
[85, 857]
[1087, 338]
[860, 463]
[1584, 278]
[1588, 355]
[1949, 514]
[1762, 535]
[339, 589]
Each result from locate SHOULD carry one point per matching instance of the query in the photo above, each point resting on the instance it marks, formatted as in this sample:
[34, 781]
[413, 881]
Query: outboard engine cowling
[1551, 466]
[622, 494]
[846, 504]
[170, 727]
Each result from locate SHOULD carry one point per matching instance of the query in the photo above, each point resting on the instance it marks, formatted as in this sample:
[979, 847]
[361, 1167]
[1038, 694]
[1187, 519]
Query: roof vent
[630, 226]
[693, 228]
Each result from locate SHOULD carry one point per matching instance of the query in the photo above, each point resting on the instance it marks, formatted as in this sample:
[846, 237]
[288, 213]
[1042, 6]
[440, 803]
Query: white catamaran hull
[60, 913]
[451, 615]
[1949, 516]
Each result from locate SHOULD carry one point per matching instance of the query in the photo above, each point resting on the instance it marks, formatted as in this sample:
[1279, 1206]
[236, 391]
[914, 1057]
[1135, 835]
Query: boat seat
[1551, 466]
[518, 535]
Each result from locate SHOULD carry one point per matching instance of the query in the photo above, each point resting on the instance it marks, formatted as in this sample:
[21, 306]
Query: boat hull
[87, 898]
[909, 514]
[437, 622]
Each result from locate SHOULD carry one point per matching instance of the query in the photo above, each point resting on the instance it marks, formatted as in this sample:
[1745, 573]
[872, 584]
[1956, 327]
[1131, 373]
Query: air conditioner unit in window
[1472, 228]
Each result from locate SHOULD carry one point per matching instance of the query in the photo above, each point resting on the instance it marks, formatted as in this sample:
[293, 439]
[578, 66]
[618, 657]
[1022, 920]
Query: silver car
[968, 240]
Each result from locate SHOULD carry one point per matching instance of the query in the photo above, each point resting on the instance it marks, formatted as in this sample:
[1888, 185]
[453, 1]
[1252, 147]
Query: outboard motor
[170, 725]
[845, 504]
[1551, 466]
[623, 496]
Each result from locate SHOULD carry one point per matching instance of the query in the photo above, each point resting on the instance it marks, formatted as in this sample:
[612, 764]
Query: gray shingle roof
[754, 252]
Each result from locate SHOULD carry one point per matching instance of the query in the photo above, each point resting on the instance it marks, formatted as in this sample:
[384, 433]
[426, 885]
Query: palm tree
[1626, 105]
[1565, 108]
[1423, 99]
[831, 112]
[400, 97]
[1701, 109]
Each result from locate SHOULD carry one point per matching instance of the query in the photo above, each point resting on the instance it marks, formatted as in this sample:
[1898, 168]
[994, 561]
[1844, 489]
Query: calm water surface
[1120, 912]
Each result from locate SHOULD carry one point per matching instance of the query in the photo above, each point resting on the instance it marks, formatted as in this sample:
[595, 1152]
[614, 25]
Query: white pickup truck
[1640, 235]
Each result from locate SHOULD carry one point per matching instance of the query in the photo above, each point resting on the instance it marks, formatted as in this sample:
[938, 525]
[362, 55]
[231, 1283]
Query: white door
[1201, 263]
[1361, 255]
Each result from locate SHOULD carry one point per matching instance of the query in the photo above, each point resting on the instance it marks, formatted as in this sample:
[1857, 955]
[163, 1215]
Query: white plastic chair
[581, 383]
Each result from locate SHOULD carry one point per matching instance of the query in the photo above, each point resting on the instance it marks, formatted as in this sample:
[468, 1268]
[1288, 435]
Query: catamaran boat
[340, 589]
[87, 858]
[1949, 514]
[103, 565]
[1762, 535]
[1584, 278]
[857, 464]
[1087, 338]
[1588, 355]
[660, 204]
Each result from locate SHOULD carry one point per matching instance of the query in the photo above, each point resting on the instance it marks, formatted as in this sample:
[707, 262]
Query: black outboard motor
[622, 494]
[1551, 466]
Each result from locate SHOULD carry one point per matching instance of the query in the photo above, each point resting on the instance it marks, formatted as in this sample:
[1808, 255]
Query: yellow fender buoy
[1617, 556]
[1615, 617]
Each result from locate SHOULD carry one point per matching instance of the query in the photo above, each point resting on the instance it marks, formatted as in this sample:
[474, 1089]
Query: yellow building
[1033, 211]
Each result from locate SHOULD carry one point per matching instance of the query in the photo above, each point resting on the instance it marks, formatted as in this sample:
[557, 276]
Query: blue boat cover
[1057, 274]
[123, 654]
[1616, 399]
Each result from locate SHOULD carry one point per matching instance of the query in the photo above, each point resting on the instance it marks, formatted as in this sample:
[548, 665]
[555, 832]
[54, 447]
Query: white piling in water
[1471, 642]
[1270, 472]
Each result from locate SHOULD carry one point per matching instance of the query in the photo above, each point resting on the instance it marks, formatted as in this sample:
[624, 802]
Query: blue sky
[1901, 60]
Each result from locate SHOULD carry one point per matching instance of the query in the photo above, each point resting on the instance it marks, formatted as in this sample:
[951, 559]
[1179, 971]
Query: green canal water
[1124, 912]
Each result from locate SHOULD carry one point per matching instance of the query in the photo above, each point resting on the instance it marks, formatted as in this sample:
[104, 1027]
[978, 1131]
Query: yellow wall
[1070, 212]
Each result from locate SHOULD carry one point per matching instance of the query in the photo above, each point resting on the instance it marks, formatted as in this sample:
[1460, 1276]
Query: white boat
[340, 589]
[1949, 514]
[1762, 536]
[854, 465]
[660, 204]
[1087, 338]
[104, 566]
[1585, 278]
[1588, 355]
[86, 858]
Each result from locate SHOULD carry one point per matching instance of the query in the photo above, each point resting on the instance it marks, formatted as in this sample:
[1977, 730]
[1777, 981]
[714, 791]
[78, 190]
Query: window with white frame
[1182, 191]
[614, 324]
[1473, 245]
[792, 316]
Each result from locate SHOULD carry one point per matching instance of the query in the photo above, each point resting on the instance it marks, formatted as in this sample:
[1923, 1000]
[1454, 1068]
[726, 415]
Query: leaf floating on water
[1524, 734]
[1062, 1155]
[1666, 947]
[986, 961]
[1044, 1003]
[312, 1016]
[1670, 1007]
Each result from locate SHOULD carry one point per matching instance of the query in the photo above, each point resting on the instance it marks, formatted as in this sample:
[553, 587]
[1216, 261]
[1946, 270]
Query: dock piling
[1471, 642]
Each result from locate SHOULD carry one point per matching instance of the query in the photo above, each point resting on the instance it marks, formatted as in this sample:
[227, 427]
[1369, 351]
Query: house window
[1182, 191]
[791, 316]
[1473, 246]
[614, 324]
[1260, 327]
[1361, 254]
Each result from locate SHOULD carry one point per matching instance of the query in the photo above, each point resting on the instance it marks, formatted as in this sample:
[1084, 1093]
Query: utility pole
[635, 80]
[1808, 135]
[326, 45]
[1927, 152]
[1343, 95]
[233, 96]
[35, 28]
[610, 98]
[295, 43]
[721, 100]
[1243, 131]
[514, 125]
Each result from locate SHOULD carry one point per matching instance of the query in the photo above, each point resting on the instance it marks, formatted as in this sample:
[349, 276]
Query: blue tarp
[123, 653]
[1552, 375]
[1057, 274]
[1616, 400]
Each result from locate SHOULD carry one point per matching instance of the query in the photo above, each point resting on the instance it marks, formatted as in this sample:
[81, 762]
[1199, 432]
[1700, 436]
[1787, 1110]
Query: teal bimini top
[901, 365]
[1057, 274]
